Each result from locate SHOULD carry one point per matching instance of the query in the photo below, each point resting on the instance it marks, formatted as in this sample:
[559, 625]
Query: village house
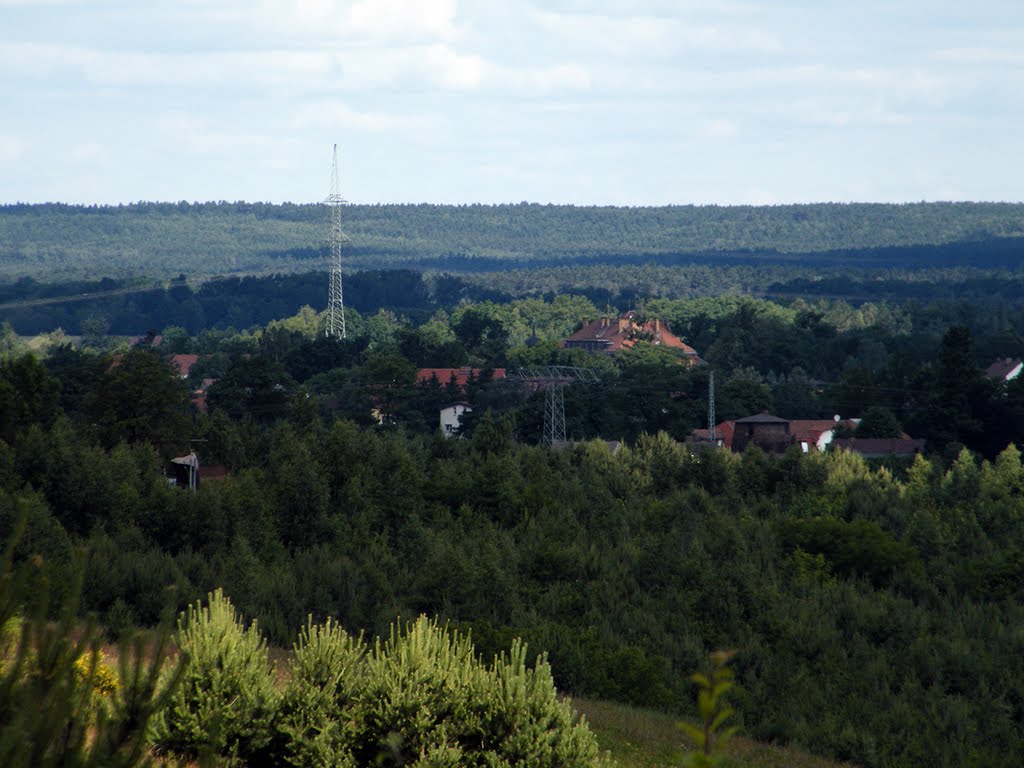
[776, 435]
[451, 418]
[183, 364]
[770, 433]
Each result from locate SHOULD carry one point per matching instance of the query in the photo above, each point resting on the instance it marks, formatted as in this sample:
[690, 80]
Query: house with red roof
[460, 377]
[777, 434]
[183, 364]
[613, 334]
[723, 435]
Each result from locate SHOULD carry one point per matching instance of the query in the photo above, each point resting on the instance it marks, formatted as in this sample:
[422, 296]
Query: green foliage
[28, 395]
[314, 725]
[423, 698]
[60, 703]
[878, 421]
[711, 739]
[140, 399]
[226, 699]
[216, 238]
[876, 604]
[859, 547]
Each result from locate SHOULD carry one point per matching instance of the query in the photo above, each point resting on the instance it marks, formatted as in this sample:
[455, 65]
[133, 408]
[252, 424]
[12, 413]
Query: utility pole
[711, 407]
[335, 301]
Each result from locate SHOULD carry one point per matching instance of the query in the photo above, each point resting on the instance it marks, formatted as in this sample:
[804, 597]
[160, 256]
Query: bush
[226, 699]
[429, 701]
[422, 698]
[326, 673]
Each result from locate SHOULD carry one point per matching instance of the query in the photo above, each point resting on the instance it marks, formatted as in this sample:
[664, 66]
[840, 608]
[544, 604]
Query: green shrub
[527, 724]
[327, 670]
[712, 736]
[428, 701]
[226, 699]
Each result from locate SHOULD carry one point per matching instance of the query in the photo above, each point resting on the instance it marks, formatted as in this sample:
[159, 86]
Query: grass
[633, 737]
[639, 738]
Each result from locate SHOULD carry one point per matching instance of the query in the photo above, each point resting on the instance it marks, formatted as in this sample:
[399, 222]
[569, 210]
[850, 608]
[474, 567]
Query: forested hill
[60, 241]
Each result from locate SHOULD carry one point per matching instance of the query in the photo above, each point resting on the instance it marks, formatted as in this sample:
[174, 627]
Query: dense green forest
[875, 607]
[162, 240]
[122, 307]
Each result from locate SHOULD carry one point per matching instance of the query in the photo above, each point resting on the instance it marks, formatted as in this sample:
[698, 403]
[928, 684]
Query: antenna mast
[711, 408]
[335, 302]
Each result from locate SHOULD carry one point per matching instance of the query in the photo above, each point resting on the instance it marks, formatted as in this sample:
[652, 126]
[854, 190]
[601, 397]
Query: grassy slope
[638, 738]
[632, 737]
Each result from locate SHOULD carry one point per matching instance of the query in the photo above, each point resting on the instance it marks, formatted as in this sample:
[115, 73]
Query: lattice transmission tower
[335, 239]
[554, 379]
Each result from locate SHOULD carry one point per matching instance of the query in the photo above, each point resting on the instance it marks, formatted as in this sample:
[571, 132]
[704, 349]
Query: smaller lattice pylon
[554, 379]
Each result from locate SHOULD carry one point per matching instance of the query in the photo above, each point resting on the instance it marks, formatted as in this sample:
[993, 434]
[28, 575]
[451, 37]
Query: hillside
[644, 738]
[160, 240]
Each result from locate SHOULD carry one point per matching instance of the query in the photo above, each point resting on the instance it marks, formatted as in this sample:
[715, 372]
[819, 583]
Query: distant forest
[162, 240]
[130, 269]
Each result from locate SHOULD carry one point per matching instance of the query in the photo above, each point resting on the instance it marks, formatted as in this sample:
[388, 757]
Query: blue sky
[646, 102]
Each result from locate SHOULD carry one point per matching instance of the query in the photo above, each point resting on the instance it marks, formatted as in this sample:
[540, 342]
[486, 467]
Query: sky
[608, 102]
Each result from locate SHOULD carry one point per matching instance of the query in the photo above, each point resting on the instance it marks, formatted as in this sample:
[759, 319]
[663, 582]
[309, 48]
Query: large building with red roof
[613, 334]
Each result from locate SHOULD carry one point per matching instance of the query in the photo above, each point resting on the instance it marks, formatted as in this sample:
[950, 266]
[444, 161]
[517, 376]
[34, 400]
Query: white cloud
[723, 86]
[540, 80]
[650, 36]
[12, 148]
[336, 114]
[720, 128]
[449, 69]
[89, 152]
[432, 19]
[198, 136]
[379, 21]
[1014, 58]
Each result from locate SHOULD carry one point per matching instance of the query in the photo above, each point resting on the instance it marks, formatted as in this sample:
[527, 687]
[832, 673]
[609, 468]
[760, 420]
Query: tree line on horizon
[160, 240]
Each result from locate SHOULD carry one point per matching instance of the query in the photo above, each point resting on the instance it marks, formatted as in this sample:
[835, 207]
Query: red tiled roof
[611, 334]
[461, 376]
[811, 430]
[723, 432]
[183, 363]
